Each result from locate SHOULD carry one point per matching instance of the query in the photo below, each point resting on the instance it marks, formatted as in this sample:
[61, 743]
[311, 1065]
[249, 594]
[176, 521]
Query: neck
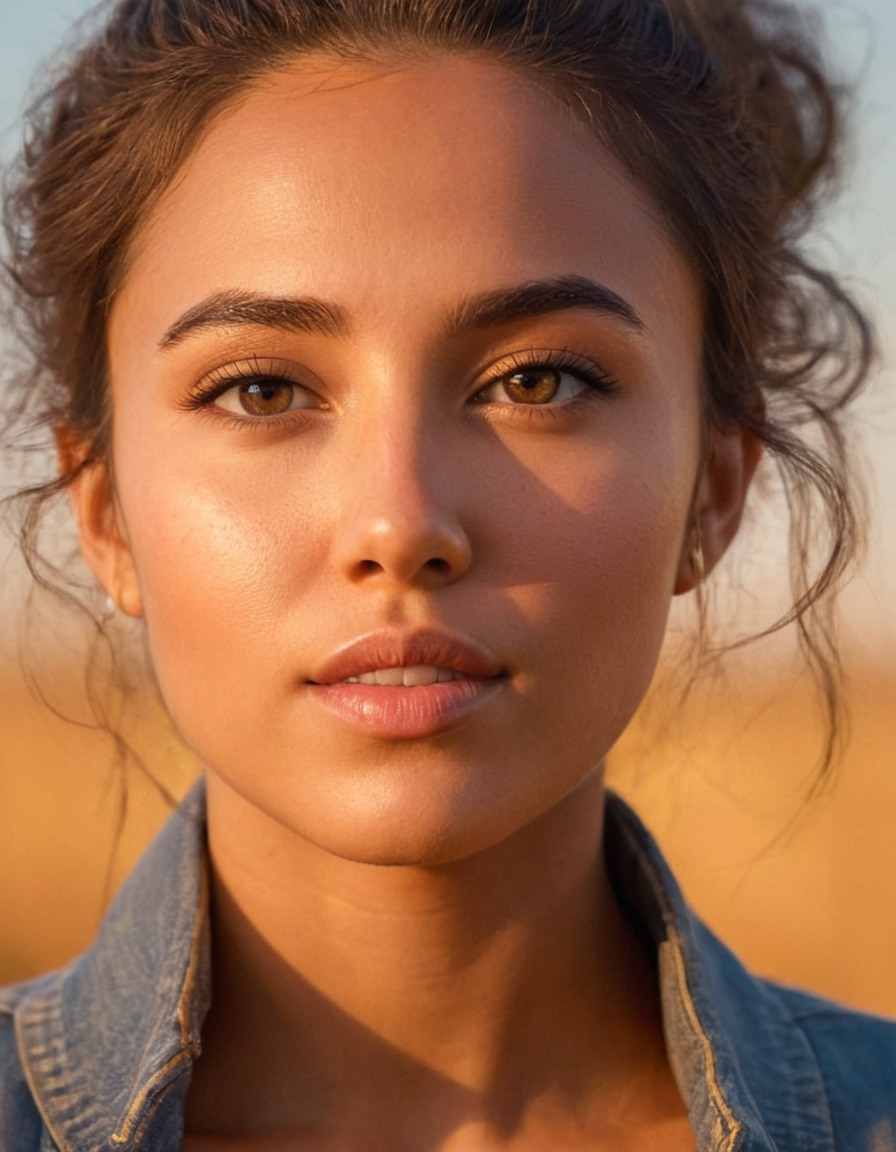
[459, 983]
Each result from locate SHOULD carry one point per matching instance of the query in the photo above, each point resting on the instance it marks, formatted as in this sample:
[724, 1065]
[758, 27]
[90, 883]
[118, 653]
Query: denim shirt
[97, 1057]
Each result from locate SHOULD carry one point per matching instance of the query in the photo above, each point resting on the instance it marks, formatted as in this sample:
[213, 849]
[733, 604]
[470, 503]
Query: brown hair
[720, 109]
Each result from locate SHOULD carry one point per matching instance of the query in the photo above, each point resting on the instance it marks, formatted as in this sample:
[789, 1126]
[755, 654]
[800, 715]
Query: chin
[408, 833]
[421, 807]
[427, 823]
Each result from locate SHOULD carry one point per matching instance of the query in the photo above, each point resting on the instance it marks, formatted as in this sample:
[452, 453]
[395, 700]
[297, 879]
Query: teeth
[416, 676]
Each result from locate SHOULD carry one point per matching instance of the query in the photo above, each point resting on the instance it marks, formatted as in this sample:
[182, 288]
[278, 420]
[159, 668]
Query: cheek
[591, 550]
[615, 570]
[604, 522]
[221, 552]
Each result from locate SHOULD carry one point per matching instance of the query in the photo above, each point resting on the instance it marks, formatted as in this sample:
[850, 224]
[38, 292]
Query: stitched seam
[127, 1128]
[674, 938]
[61, 1143]
[185, 1007]
[190, 1049]
[716, 1095]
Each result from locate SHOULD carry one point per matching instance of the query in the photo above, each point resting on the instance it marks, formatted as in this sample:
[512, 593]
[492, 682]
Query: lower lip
[396, 713]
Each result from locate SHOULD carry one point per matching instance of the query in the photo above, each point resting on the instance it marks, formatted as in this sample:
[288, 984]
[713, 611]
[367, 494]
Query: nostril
[370, 566]
[437, 564]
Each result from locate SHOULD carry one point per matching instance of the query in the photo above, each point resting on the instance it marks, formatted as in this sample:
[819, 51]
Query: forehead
[429, 177]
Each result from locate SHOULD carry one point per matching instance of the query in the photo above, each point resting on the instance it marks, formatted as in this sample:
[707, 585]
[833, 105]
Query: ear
[101, 537]
[732, 455]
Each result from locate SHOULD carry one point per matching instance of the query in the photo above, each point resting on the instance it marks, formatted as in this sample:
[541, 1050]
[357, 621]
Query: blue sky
[860, 236]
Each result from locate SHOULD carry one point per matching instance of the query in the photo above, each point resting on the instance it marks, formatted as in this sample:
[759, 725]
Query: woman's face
[405, 374]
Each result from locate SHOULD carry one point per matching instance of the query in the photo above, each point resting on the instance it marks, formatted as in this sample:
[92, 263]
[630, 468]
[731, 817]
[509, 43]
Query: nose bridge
[400, 518]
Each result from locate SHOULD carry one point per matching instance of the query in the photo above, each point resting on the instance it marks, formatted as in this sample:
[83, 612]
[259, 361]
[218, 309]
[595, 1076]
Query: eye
[254, 390]
[541, 384]
[266, 396]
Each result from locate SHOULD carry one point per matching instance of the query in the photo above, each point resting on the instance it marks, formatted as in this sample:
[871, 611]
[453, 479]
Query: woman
[405, 358]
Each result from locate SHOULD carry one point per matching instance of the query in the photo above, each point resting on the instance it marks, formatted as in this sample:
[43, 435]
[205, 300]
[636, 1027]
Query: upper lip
[395, 649]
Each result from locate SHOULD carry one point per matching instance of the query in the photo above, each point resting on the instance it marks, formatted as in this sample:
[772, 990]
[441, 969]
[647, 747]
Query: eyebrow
[231, 309]
[319, 317]
[538, 298]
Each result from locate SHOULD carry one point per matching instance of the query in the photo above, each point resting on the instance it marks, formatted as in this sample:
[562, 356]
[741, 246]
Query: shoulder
[856, 1056]
[20, 1122]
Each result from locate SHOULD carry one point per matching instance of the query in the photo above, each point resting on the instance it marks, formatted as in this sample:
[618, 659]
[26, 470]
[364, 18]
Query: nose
[399, 518]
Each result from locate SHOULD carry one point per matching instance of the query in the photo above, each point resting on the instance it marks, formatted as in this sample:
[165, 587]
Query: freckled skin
[396, 194]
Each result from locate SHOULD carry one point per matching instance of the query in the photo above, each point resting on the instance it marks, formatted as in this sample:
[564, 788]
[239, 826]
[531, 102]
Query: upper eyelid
[252, 367]
[220, 379]
[551, 358]
[562, 360]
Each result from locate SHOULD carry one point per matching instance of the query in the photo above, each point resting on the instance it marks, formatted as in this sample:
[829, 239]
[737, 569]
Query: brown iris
[537, 386]
[266, 397]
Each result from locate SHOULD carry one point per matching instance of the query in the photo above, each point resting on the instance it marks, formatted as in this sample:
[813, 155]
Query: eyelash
[597, 382]
[246, 371]
[533, 360]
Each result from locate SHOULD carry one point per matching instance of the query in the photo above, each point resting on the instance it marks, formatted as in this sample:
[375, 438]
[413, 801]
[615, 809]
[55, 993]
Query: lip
[399, 712]
[393, 649]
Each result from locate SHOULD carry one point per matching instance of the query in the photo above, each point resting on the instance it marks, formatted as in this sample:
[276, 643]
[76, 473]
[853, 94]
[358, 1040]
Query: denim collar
[107, 1044]
[746, 1071]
